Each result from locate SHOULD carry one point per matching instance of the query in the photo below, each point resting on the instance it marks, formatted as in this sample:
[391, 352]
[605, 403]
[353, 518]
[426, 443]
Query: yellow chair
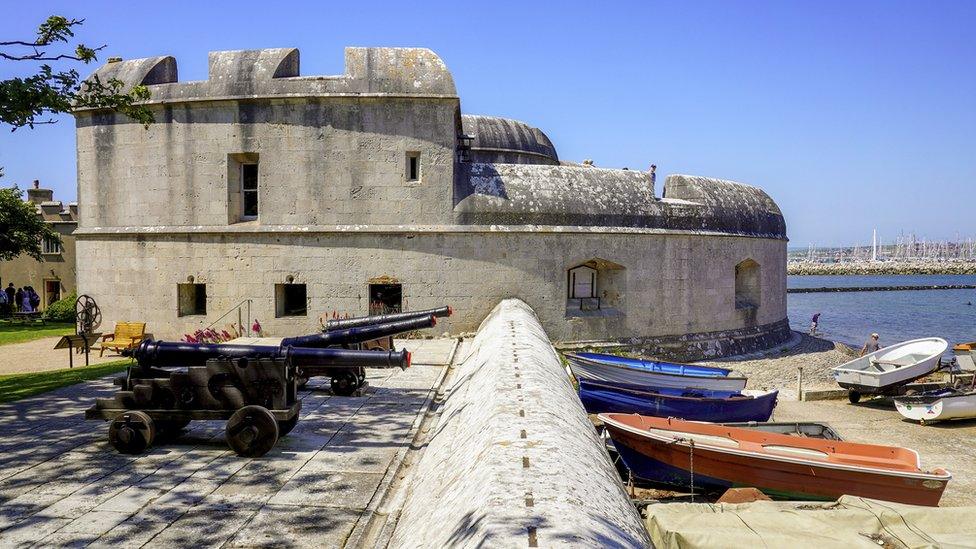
[127, 335]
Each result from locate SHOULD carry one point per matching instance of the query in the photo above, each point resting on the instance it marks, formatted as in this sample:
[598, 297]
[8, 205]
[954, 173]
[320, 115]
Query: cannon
[346, 367]
[361, 334]
[253, 388]
[355, 322]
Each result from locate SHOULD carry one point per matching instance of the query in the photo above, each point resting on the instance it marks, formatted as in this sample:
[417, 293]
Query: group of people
[871, 345]
[24, 300]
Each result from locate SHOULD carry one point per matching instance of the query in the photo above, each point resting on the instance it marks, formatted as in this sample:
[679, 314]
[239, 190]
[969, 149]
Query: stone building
[54, 275]
[370, 190]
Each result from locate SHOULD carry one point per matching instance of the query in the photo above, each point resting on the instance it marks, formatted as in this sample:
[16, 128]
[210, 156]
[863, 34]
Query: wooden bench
[127, 335]
[27, 318]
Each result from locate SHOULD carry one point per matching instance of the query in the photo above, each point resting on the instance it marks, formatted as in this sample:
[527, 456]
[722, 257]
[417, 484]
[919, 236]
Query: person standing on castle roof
[652, 175]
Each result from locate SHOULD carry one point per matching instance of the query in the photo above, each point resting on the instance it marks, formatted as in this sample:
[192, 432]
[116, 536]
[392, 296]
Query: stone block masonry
[513, 460]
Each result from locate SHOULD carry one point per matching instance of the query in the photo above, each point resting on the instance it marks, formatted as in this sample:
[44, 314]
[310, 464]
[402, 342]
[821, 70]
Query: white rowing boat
[886, 369]
[652, 373]
[938, 405]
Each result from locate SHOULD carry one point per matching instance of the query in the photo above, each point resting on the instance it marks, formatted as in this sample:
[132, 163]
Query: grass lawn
[18, 386]
[18, 333]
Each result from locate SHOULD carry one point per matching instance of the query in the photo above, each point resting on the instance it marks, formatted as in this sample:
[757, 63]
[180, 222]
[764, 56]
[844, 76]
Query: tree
[35, 99]
[21, 229]
[31, 100]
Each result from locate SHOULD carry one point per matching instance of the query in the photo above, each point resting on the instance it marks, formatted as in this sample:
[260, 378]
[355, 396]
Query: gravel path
[777, 369]
[39, 355]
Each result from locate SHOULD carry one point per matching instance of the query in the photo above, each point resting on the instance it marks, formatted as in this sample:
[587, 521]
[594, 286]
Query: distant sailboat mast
[874, 245]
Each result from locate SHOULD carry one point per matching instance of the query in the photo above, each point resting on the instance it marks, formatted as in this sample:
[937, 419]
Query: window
[596, 288]
[413, 166]
[50, 246]
[747, 285]
[385, 298]
[249, 191]
[290, 300]
[191, 299]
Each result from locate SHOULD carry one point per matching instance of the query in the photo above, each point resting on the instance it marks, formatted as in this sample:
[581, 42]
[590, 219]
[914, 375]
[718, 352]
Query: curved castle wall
[341, 208]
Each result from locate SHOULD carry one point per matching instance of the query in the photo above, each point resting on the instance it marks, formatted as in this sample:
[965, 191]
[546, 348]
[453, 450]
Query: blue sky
[852, 115]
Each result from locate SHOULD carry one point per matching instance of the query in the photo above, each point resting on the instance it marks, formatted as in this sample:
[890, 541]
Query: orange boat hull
[774, 476]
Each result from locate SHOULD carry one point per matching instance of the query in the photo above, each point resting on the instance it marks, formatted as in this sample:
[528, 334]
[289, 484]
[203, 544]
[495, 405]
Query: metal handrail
[240, 318]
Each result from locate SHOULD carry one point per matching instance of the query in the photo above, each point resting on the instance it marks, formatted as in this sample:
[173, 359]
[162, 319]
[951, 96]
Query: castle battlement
[250, 74]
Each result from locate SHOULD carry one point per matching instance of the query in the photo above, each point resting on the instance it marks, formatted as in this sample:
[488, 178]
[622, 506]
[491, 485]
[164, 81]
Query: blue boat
[641, 372]
[600, 397]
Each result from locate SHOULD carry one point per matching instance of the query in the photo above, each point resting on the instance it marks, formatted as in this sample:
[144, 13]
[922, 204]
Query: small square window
[249, 191]
[191, 299]
[290, 300]
[413, 166]
[50, 246]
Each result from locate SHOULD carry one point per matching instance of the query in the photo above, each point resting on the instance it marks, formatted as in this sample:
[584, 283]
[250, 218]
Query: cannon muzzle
[345, 323]
[360, 334]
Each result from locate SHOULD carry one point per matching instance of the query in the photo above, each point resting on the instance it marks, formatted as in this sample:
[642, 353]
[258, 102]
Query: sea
[851, 317]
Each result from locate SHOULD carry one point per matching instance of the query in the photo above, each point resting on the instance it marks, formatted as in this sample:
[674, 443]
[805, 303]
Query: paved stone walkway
[62, 484]
[40, 355]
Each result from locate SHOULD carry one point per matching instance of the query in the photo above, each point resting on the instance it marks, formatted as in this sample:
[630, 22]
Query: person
[4, 304]
[25, 305]
[814, 323]
[33, 298]
[871, 345]
[19, 299]
[652, 175]
[10, 291]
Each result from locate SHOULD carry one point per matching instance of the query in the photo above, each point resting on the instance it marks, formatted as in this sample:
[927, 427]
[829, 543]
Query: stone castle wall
[672, 284]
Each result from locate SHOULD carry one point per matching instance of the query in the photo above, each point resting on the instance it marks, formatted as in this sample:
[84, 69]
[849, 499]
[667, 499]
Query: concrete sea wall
[513, 460]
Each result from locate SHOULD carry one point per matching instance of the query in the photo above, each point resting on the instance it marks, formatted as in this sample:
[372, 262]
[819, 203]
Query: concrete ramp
[513, 460]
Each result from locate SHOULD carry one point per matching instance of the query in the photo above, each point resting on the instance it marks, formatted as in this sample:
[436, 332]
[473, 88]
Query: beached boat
[692, 404]
[938, 405]
[964, 356]
[884, 371]
[713, 458]
[636, 371]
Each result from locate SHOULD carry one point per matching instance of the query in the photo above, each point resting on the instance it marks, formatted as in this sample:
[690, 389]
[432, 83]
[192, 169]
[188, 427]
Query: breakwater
[882, 268]
[881, 288]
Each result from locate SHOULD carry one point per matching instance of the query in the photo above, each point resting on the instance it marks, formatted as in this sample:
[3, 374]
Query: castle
[302, 195]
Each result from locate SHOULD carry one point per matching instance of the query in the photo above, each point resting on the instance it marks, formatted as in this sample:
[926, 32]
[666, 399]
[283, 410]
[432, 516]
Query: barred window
[50, 245]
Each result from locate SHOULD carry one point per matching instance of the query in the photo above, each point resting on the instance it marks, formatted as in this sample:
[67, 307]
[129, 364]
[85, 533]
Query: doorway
[52, 292]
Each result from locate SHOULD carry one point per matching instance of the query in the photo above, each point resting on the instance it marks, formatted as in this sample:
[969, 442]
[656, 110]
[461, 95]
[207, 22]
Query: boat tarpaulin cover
[847, 523]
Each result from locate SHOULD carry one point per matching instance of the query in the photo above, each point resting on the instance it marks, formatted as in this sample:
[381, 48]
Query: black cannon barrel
[344, 323]
[162, 354]
[360, 334]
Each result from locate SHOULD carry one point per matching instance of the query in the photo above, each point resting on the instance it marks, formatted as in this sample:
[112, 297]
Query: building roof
[495, 134]
[521, 194]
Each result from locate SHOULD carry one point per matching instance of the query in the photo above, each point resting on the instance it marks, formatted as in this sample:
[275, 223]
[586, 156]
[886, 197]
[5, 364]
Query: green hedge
[62, 310]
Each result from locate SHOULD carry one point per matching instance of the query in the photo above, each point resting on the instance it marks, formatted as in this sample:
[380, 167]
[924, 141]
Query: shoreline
[798, 268]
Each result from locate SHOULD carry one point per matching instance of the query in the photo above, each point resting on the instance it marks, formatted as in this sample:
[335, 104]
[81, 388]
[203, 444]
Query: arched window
[748, 285]
[595, 287]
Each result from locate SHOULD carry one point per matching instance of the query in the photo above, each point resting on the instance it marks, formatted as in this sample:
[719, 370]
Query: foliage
[18, 386]
[32, 99]
[21, 229]
[62, 310]
[18, 332]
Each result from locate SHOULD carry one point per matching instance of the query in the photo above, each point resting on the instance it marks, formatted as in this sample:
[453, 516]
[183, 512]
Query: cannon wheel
[361, 377]
[854, 397]
[132, 432]
[285, 427]
[345, 383]
[252, 431]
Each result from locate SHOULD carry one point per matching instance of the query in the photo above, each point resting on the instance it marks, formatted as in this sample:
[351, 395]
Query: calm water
[850, 317]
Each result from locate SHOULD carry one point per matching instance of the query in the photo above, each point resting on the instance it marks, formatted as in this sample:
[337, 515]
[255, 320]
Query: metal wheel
[132, 432]
[87, 315]
[345, 383]
[854, 397]
[285, 427]
[252, 431]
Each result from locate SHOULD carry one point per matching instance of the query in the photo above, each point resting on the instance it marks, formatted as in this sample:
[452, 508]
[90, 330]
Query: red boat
[673, 452]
